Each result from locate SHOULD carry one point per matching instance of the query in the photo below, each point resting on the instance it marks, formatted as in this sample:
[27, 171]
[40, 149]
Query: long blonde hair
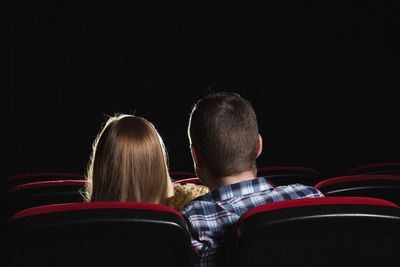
[128, 163]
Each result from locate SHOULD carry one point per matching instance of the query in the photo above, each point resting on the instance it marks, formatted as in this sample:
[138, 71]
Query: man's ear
[260, 144]
[195, 157]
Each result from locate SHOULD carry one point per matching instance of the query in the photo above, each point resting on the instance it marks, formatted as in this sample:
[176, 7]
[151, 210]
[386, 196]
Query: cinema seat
[41, 193]
[285, 175]
[194, 180]
[13, 181]
[330, 231]
[177, 175]
[98, 234]
[369, 185]
[376, 168]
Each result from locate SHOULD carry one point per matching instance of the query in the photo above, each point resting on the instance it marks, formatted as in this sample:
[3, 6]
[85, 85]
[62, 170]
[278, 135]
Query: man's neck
[227, 180]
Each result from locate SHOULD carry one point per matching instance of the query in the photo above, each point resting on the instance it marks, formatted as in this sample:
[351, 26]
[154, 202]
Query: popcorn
[183, 194]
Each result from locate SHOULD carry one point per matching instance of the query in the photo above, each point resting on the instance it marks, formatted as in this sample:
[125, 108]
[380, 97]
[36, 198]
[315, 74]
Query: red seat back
[369, 185]
[98, 234]
[24, 178]
[330, 231]
[285, 175]
[194, 180]
[376, 168]
[176, 175]
[41, 193]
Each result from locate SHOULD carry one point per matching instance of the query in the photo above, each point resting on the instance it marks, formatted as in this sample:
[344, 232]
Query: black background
[323, 78]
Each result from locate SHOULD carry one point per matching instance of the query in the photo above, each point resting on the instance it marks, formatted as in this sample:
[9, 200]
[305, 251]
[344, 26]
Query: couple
[129, 163]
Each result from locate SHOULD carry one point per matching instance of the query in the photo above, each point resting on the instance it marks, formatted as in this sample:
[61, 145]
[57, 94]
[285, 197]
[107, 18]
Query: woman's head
[128, 163]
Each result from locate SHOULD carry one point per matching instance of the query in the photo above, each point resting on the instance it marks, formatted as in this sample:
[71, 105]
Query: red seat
[376, 168]
[41, 193]
[175, 175]
[194, 180]
[98, 234]
[285, 175]
[369, 185]
[13, 181]
[330, 231]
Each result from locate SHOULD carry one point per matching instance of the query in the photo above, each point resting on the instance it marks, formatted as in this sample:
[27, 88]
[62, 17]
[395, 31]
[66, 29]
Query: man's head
[223, 134]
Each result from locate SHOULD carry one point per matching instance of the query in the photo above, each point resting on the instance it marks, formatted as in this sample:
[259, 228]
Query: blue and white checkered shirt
[211, 216]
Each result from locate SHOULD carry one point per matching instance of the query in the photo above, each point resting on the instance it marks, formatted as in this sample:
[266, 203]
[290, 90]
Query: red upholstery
[338, 231]
[34, 194]
[372, 166]
[98, 234]
[194, 180]
[16, 180]
[287, 204]
[44, 174]
[48, 183]
[285, 175]
[287, 168]
[180, 174]
[91, 205]
[354, 178]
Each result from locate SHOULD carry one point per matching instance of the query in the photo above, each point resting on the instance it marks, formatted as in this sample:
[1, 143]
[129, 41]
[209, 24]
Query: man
[225, 144]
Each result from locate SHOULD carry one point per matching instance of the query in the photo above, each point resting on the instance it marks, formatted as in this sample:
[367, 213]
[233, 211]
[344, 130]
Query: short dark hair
[223, 129]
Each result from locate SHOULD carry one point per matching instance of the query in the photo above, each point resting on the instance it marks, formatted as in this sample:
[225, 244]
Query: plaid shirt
[211, 216]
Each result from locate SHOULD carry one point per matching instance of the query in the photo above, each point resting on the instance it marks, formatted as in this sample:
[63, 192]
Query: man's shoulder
[198, 206]
[301, 189]
[296, 186]
[237, 203]
[226, 196]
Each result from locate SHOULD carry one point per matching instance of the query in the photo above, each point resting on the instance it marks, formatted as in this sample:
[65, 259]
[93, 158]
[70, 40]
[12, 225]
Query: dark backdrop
[323, 78]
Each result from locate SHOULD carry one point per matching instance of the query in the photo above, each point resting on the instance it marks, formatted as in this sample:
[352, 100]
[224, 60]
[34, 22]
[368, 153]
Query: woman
[129, 163]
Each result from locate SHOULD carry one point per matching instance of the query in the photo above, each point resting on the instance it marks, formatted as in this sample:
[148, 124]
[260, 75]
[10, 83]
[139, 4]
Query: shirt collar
[238, 190]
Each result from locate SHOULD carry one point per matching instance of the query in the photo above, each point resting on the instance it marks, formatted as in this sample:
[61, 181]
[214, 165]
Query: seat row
[330, 231]
[280, 175]
[69, 191]
[26, 203]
